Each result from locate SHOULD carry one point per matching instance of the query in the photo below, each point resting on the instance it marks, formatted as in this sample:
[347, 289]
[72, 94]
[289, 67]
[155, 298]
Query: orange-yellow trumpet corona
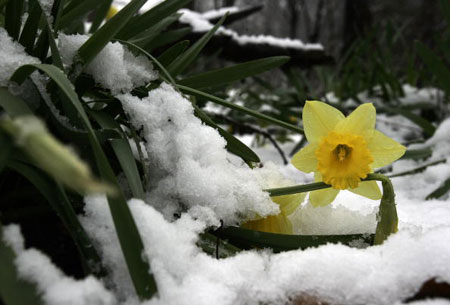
[343, 150]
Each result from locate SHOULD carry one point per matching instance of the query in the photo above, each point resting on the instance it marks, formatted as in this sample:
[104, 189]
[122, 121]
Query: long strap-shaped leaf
[230, 74]
[127, 232]
[102, 36]
[123, 152]
[247, 239]
[183, 61]
[13, 289]
[150, 18]
[28, 35]
[13, 18]
[245, 110]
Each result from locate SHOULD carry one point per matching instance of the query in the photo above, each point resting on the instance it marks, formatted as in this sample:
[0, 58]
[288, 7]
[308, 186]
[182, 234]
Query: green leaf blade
[183, 61]
[234, 73]
[105, 34]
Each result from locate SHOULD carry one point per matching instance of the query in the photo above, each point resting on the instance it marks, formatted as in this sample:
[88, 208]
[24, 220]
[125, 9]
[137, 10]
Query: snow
[189, 162]
[193, 176]
[12, 57]
[115, 68]
[119, 4]
[54, 286]
[199, 23]
[188, 276]
[219, 13]
[46, 6]
[181, 151]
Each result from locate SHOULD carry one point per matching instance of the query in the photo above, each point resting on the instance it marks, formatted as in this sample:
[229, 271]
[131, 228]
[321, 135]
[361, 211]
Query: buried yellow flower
[278, 223]
[343, 150]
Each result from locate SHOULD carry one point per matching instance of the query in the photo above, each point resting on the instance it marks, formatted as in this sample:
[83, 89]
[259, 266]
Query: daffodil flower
[278, 223]
[343, 150]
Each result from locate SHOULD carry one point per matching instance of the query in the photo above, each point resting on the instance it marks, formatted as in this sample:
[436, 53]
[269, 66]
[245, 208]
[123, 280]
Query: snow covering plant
[113, 114]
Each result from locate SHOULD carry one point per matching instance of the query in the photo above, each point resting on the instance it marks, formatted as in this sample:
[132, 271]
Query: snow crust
[200, 23]
[13, 56]
[114, 68]
[54, 286]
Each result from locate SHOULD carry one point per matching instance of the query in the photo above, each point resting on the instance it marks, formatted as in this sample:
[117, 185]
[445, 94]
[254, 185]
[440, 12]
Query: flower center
[342, 151]
[343, 160]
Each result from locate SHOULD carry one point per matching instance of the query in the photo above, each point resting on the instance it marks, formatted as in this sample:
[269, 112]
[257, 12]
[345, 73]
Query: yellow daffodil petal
[273, 224]
[289, 203]
[111, 12]
[368, 189]
[319, 119]
[305, 160]
[359, 121]
[323, 197]
[384, 150]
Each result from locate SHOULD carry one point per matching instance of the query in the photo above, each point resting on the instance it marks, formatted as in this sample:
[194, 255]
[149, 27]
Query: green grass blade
[100, 15]
[141, 23]
[182, 62]
[29, 32]
[234, 73]
[13, 18]
[435, 65]
[417, 169]
[124, 154]
[56, 57]
[242, 109]
[234, 146]
[440, 191]
[145, 38]
[57, 11]
[3, 3]
[427, 127]
[173, 52]
[7, 147]
[77, 13]
[41, 47]
[158, 64]
[14, 290]
[247, 239]
[59, 202]
[12, 104]
[127, 231]
[169, 37]
[105, 34]
[417, 154]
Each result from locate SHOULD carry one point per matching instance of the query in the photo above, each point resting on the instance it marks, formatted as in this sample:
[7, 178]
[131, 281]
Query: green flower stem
[387, 214]
[289, 190]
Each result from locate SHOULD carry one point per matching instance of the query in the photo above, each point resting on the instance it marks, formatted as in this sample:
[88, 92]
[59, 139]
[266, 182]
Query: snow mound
[114, 68]
[189, 163]
[54, 286]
